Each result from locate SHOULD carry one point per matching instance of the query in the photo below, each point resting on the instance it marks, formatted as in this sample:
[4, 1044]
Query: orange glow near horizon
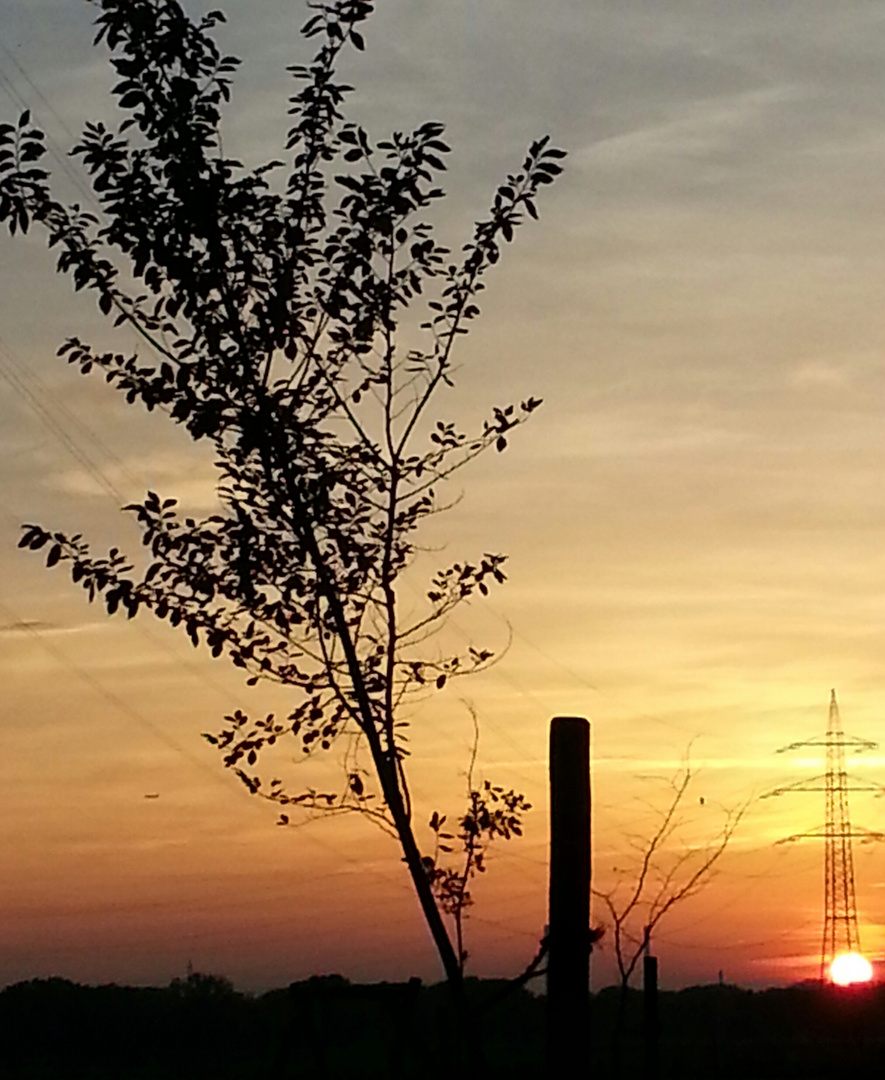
[850, 968]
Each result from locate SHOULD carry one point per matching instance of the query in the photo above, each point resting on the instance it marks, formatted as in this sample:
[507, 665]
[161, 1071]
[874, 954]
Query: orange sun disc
[850, 968]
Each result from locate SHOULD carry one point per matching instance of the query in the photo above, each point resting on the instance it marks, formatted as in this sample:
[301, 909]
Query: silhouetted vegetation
[665, 874]
[301, 321]
[329, 1028]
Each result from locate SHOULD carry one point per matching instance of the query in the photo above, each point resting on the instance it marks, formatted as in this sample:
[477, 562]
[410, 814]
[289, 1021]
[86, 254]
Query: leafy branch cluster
[491, 812]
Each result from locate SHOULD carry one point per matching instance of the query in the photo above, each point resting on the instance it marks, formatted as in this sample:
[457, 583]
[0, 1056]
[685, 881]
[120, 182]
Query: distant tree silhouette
[272, 321]
[197, 986]
[55, 1028]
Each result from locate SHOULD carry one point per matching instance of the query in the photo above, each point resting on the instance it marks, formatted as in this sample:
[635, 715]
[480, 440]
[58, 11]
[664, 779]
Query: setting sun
[850, 968]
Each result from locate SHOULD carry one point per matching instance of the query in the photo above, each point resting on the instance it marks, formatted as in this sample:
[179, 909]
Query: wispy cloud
[31, 627]
[27, 626]
[692, 129]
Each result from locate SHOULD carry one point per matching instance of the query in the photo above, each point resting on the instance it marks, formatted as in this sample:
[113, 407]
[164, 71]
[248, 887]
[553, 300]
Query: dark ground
[327, 1028]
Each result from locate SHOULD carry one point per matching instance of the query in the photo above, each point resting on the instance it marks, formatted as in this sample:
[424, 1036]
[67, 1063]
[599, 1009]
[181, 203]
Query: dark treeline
[328, 1028]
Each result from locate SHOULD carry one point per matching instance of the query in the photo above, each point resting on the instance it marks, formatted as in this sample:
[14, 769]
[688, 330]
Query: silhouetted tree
[666, 873]
[271, 318]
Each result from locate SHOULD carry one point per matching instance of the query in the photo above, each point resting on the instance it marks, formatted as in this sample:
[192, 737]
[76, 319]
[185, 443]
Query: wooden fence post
[568, 962]
[650, 1011]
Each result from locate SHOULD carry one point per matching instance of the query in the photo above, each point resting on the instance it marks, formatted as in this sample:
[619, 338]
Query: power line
[119, 703]
[61, 157]
[585, 682]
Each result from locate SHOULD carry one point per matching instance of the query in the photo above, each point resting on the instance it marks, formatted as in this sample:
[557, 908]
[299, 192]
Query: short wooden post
[650, 1010]
[568, 963]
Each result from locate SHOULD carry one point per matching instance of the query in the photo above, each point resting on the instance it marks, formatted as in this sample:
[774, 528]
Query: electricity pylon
[840, 906]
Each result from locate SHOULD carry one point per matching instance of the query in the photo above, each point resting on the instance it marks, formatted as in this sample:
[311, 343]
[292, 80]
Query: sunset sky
[695, 518]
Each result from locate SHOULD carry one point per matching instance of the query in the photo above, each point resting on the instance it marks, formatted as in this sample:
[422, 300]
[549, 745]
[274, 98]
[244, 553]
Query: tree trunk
[386, 770]
[433, 918]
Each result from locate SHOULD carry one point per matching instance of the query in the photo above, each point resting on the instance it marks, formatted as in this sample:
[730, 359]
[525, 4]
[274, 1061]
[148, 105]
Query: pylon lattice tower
[840, 905]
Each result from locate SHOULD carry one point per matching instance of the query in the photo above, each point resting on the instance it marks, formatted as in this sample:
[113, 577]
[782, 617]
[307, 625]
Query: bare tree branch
[658, 886]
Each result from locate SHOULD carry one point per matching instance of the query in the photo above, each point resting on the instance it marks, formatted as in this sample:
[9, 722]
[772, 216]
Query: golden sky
[695, 519]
